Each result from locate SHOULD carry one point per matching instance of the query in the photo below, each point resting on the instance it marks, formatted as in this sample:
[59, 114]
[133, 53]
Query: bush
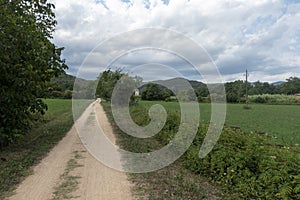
[245, 165]
[153, 92]
[231, 97]
[274, 99]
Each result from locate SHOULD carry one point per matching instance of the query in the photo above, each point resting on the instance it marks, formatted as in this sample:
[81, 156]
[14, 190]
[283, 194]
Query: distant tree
[152, 92]
[262, 88]
[28, 59]
[232, 97]
[292, 86]
[107, 83]
[123, 90]
[202, 91]
[67, 94]
[236, 91]
[167, 95]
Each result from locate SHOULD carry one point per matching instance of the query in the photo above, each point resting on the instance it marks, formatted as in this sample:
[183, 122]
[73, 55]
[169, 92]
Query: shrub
[231, 97]
[274, 99]
[245, 165]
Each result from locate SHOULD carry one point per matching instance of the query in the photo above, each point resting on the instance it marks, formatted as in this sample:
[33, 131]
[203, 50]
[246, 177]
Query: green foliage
[292, 86]
[274, 99]
[153, 92]
[280, 122]
[28, 59]
[235, 91]
[106, 83]
[171, 182]
[232, 97]
[202, 91]
[186, 95]
[246, 165]
[17, 159]
[62, 87]
[84, 89]
[262, 88]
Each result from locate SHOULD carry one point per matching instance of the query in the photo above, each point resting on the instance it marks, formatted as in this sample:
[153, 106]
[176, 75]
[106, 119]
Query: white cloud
[261, 35]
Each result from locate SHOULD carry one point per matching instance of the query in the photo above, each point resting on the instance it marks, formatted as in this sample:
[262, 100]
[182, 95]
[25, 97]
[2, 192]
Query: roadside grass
[17, 159]
[280, 121]
[171, 182]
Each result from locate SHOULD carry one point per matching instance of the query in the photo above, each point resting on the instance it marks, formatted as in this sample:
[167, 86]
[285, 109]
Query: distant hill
[173, 83]
[62, 87]
[278, 82]
[65, 81]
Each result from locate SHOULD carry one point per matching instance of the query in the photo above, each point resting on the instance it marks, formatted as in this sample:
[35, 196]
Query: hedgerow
[274, 99]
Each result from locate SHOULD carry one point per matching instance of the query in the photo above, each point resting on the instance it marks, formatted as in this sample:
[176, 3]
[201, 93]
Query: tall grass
[274, 99]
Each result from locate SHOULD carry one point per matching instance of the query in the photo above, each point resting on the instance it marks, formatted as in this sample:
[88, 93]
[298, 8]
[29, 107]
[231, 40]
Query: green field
[281, 121]
[17, 159]
[242, 165]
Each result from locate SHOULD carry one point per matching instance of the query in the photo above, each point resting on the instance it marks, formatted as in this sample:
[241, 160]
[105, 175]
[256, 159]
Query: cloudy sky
[260, 35]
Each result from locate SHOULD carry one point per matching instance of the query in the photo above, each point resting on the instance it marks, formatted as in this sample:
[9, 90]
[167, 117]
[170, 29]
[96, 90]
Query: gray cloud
[263, 36]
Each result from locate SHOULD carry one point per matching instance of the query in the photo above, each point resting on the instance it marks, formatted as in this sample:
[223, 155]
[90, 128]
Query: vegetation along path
[69, 171]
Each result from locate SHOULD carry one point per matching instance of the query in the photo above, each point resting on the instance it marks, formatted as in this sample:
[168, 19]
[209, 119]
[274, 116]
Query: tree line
[154, 91]
[235, 91]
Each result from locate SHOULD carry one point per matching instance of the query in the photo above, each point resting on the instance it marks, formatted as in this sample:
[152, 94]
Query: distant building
[136, 92]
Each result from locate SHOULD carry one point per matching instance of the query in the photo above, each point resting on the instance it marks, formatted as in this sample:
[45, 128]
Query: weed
[69, 182]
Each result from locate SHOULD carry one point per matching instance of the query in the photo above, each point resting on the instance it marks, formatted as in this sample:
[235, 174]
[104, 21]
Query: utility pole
[246, 87]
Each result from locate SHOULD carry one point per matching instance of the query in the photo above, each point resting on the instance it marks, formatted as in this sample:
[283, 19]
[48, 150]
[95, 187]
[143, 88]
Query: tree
[107, 82]
[231, 97]
[28, 59]
[153, 92]
[262, 88]
[236, 91]
[292, 86]
[202, 91]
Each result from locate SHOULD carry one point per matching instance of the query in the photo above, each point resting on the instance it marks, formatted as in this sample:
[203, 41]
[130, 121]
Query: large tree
[153, 92]
[107, 83]
[28, 59]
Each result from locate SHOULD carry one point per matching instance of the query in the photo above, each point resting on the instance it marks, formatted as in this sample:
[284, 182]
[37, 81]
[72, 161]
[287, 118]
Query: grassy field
[240, 166]
[17, 159]
[281, 121]
[171, 182]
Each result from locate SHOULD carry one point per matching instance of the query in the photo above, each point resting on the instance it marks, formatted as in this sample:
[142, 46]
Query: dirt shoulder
[69, 171]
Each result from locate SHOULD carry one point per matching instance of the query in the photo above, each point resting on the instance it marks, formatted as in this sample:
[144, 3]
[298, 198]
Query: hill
[278, 83]
[174, 83]
[62, 87]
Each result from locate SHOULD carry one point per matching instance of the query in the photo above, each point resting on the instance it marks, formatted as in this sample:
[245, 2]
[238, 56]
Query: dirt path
[69, 171]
